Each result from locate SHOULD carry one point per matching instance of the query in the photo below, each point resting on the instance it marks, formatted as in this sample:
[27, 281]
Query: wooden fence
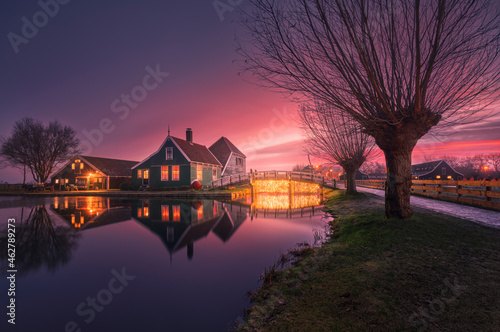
[11, 187]
[481, 193]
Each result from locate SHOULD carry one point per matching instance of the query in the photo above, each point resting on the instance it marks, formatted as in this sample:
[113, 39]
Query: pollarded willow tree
[337, 138]
[398, 68]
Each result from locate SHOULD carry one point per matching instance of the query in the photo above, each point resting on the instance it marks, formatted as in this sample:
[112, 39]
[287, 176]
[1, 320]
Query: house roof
[425, 168]
[111, 167]
[196, 152]
[222, 149]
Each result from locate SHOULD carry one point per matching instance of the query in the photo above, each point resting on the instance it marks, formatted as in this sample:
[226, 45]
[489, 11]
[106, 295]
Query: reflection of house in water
[179, 223]
[90, 212]
[232, 219]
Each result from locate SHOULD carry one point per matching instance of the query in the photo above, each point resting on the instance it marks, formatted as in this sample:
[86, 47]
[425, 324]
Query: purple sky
[82, 63]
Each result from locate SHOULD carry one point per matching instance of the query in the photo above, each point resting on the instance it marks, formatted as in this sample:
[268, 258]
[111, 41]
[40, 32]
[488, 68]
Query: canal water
[106, 264]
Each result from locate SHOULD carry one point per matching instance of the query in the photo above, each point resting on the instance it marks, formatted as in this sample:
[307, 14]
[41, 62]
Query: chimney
[189, 135]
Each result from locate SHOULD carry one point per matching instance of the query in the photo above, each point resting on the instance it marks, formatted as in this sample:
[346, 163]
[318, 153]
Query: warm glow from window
[139, 212]
[170, 153]
[72, 218]
[145, 174]
[57, 181]
[72, 166]
[449, 176]
[438, 176]
[176, 211]
[146, 211]
[81, 166]
[139, 173]
[175, 173]
[199, 172]
[164, 173]
[66, 180]
[165, 216]
[200, 213]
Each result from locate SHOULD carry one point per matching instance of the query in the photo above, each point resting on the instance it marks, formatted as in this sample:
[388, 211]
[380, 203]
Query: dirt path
[478, 215]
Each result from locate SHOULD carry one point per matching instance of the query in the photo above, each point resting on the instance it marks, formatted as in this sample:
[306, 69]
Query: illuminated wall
[282, 186]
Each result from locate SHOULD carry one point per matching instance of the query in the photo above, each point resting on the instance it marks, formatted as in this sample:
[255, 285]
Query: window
[164, 173]
[139, 212]
[146, 211]
[170, 153]
[66, 180]
[57, 181]
[176, 212]
[214, 173]
[199, 172]
[165, 215]
[438, 176]
[145, 174]
[73, 166]
[139, 173]
[449, 177]
[239, 161]
[444, 170]
[175, 173]
[81, 165]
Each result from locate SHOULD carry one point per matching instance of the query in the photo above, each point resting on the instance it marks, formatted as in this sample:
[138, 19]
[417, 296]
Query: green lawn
[432, 272]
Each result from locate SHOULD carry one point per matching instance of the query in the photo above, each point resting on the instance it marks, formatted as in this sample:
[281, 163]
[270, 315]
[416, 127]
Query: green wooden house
[177, 163]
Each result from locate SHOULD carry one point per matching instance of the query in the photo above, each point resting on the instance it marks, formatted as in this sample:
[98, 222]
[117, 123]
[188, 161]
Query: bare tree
[494, 160]
[39, 148]
[397, 67]
[337, 138]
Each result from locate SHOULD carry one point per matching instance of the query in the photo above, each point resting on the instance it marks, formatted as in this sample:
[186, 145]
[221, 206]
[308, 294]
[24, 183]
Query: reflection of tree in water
[41, 242]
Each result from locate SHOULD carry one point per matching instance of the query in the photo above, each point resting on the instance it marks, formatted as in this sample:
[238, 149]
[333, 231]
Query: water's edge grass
[431, 272]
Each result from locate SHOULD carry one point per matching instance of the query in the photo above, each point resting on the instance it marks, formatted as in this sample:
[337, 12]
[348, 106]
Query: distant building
[231, 158]
[435, 170]
[378, 176]
[85, 172]
[176, 163]
[359, 176]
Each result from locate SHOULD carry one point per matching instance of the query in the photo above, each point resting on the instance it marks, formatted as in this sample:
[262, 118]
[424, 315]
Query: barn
[435, 170]
[86, 172]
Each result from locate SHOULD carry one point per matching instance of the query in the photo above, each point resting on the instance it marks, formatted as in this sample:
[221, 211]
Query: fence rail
[482, 193]
[275, 175]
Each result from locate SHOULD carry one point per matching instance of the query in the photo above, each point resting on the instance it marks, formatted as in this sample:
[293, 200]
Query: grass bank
[431, 272]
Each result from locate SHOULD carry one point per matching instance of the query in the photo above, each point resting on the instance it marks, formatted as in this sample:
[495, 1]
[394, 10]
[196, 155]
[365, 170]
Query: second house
[176, 164]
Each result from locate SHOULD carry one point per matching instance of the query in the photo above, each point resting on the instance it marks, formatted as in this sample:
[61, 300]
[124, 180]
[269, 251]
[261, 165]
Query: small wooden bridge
[250, 178]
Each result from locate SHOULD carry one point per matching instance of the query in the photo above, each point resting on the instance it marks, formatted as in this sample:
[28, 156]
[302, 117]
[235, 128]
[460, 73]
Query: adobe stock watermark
[436, 307]
[30, 27]
[278, 123]
[122, 106]
[223, 6]
[88, 309]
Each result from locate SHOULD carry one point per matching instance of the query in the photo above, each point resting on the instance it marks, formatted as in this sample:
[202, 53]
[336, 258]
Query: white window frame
[169, 151]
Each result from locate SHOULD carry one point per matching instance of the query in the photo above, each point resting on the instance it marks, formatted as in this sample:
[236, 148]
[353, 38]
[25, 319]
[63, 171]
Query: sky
[121, 72]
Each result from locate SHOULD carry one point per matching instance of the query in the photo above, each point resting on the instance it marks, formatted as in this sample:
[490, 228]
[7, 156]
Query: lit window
[139, 173]
[146, 211]
[72, 166]
[449, 177]
[199, 172]
[165, 213]
[66, 180]
[81, 166]
[176, 212]
[170, 153]
[57, 181]
[175, 173]
[145, 174]
[438, 176]
[164, 173]
[139, 212]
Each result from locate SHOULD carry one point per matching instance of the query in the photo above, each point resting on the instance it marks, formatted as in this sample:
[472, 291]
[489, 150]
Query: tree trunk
[398, 183]
[350, 180]
[24, 175]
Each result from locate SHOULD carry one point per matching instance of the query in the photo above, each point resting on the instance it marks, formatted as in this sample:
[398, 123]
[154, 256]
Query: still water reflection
[192, 262]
